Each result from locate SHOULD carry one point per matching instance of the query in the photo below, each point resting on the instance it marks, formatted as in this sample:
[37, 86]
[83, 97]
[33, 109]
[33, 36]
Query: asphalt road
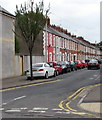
[42, 100]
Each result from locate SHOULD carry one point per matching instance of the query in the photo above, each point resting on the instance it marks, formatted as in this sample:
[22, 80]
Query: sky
[79, 17]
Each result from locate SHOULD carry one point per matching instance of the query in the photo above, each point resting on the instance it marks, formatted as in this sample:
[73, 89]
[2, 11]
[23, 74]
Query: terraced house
[61, 45]
[53, 44]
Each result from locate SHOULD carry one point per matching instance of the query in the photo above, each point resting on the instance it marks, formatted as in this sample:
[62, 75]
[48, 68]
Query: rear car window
[38, 65]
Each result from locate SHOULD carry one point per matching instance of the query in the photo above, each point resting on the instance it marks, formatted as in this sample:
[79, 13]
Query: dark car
[87, 61]
[72, 65]
[57, 68]
[65, 66]
[93, 64]
[99, 60]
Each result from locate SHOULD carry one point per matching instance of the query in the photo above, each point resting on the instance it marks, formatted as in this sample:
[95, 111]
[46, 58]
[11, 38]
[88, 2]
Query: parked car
[84, 64]
[56, 66]
[93, 64]
[65, 66]
[87, 61]
[72, 65]
[78, 64]
[99, 60]
[41, 70]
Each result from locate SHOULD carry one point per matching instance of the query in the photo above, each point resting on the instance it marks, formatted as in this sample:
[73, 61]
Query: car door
[49, 69]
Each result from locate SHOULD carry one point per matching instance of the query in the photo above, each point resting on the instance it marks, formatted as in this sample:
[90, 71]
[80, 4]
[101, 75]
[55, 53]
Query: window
[38, 65]
[50, 41]
[50, 56]
[46, 65]
[61, 43]
[54, 38]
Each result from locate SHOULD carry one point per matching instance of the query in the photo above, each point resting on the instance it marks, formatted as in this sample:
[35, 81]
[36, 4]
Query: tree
[28, 24]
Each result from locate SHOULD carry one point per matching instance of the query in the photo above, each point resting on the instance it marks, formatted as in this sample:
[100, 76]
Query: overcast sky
[80, 17]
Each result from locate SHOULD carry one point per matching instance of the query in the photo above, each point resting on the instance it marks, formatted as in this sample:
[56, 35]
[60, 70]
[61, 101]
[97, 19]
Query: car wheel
[98, 67]
[28, 78]
[46, 75]
[55, 73]
[72, 69]
[76, 69]
[67, 70]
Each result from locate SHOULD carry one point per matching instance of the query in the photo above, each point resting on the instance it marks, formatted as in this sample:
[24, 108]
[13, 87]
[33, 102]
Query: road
[42, 100]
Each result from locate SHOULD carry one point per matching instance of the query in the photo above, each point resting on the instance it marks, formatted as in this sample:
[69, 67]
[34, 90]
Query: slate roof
[63, 35]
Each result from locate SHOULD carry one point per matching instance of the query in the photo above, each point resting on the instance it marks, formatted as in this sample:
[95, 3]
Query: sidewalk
[93, 101]
[20, 81]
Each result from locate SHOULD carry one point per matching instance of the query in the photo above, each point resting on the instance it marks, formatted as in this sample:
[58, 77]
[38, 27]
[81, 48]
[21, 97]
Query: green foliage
[29, 23]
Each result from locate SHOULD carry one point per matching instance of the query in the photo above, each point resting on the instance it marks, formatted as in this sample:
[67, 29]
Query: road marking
[19, 98]
[59, 112]
[57, 109]
[1, 109]
[40, 108]
[97, 78]
[73, 110]
[12, 100]
[95, 75]
[25, 108]
[67, 105]
[13, 110]
[81, 99]
[3, 104]
[79, 113]
[35, 84]
[91, 78]
[42, 111]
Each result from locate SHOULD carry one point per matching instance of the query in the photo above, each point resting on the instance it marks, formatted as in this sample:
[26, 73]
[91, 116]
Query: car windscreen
[87, 61]
[51, 64]
[93, 61]
[61, 63]
[38, 65]
[76, 62]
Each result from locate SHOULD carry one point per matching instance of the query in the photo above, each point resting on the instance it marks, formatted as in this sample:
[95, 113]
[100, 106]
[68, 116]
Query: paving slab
[93, 101]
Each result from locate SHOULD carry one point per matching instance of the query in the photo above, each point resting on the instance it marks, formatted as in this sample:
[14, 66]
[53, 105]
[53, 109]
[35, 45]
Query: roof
[63, 35]
[3, 11]
[57, 33]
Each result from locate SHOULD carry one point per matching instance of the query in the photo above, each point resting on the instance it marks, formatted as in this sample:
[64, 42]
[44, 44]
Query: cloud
[81, 17]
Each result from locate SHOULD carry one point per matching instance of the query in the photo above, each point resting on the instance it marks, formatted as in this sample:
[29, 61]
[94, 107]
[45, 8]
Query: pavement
[92, 102]
[20, 81]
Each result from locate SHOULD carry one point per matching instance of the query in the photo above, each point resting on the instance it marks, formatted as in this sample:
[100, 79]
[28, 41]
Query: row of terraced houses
[53, 44]
[62, 46]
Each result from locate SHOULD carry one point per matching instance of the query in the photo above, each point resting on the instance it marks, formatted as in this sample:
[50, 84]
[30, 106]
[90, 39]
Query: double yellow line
[65, 104]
